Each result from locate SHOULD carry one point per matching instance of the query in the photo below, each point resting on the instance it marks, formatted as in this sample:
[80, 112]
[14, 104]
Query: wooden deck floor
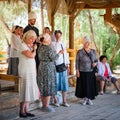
[106, 107]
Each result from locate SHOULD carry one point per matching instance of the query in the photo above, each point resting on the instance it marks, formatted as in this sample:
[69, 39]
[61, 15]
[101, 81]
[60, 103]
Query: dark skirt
[13, 66]
[86, 85]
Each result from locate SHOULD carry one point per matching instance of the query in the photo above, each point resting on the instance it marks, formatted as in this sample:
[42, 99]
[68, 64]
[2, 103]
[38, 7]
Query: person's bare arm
[30, 54]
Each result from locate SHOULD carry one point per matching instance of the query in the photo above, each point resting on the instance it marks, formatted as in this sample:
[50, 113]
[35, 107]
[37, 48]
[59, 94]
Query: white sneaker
[65, 105]
[84, 102]
[57, 104]
[101, 92]
[90, 102]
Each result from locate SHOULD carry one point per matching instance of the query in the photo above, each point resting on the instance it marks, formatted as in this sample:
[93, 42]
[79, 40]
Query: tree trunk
[92, 32]
[114, 51]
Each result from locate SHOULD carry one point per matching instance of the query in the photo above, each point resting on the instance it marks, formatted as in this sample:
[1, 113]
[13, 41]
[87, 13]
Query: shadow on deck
[106, 107]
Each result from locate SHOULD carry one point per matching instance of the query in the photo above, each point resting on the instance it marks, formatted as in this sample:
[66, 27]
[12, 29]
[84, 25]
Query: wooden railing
[2, 58]
[73, 51]
[72, 56]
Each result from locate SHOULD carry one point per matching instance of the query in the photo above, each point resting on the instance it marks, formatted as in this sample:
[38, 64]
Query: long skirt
[13, 66]
[86, 85]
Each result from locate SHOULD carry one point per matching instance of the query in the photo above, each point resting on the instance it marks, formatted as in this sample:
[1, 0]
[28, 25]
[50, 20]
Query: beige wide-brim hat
[31, 15]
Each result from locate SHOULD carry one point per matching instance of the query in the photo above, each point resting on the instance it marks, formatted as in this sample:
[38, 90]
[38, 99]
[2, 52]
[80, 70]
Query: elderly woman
[27, 72]
[47, 72]
[105, 74]
[86, 60]
[14, 54]
[62, 76]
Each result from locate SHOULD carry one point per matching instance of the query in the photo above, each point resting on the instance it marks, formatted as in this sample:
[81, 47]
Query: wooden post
[29, 5]
[108, 15]
[52, 23]
[42, 16]
[71, 42]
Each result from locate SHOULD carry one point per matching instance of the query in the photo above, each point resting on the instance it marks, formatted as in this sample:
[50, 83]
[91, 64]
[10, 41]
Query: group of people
[34, 59]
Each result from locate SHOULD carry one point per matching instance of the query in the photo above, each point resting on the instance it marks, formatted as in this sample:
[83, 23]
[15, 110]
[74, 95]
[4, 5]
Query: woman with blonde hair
[47, 72]
[27, 72]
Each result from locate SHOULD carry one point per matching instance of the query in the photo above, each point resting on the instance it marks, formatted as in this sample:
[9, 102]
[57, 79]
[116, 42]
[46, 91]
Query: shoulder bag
[95, 69]
[61, 67]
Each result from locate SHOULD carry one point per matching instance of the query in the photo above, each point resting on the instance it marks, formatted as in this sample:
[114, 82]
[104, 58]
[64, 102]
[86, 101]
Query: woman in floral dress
[47, 72]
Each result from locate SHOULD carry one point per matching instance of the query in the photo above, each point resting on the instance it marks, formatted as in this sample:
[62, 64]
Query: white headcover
[31, 15]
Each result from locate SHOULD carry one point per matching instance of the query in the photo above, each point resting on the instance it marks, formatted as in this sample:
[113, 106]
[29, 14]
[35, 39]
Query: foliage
[105, 38]
[9, 14]
[62, 23]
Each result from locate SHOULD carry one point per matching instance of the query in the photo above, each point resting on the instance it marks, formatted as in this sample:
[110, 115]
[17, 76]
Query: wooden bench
[108, 87]
[72, 80]
[10, 78]
[9, 97]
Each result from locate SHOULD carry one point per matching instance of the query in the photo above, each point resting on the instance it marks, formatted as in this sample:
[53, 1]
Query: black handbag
[62, 67]
[95, 69]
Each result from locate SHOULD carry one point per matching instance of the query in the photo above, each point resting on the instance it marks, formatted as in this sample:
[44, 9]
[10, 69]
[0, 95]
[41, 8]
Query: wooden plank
[8, 77]
[72, 58]
[11, 78]
[2, 58]
[71, 50]
[106, 107]
[2, 52]
[9, 105]
[8, 88]
[71, 76]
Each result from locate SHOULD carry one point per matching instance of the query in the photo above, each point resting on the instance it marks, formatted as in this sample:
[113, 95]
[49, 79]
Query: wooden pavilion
[72, 8]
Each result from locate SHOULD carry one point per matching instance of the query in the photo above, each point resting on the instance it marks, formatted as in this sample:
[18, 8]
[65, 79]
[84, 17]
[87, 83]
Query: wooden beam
[78, 6]
[108, 15]
[29, 5]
